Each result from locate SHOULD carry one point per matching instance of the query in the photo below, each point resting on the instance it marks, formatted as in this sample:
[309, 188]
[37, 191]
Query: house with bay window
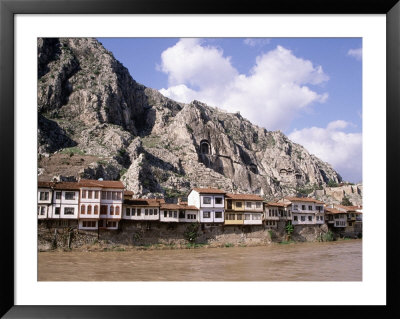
[44, 199]
[275, 212]
[65, 203]
[305, 210]
[142, 209]
[243, 209]
[211, 204]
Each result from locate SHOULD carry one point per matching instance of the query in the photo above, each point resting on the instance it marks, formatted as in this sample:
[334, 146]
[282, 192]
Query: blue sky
[309, 88]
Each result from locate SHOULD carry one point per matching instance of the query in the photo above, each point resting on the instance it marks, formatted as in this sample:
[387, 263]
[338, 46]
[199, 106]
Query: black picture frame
[8, 10]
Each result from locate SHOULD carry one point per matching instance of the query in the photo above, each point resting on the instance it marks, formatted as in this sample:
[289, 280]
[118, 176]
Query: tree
[346, 201]
[191, 232]
[289, 230]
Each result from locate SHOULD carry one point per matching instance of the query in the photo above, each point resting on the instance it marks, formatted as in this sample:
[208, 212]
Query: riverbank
[164, 236]
[109, 247]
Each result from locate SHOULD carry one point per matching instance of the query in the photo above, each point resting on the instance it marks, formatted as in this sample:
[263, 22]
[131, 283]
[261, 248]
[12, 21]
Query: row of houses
[97, 204]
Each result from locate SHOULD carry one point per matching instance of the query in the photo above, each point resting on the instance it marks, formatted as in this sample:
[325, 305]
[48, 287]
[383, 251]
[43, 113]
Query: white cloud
[342, 150]
[275, 91]
[253, 42]
[355, 53]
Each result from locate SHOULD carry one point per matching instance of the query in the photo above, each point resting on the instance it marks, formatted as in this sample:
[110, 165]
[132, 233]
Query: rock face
[88, 101]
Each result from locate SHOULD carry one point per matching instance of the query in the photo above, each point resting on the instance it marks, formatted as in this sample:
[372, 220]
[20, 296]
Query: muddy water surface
[331, 261]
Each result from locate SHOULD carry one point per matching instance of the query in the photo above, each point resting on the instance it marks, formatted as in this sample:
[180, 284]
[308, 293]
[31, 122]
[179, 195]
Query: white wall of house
[252, 218]
[191, 216]
[169, 215]
[213, 215]
[139, 213]
[88, 224]
[65, 204]
[43, 211]
[303, 219]
[253, 206]
[194, 198]
[340, 220]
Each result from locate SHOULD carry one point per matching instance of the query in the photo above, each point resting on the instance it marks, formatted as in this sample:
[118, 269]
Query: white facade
[189, 216]
[211, 206]
[169, 215]
[141, 213]
[111, 203]
[307, 213]
[44, 202]
[65, 204]
[252, 218]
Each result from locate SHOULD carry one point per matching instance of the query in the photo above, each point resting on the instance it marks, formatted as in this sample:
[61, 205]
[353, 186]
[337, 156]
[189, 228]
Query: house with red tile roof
[243, 209]
[211, 204]
[305, 210]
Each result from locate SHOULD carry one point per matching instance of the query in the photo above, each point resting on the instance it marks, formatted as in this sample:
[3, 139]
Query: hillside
[95, 121]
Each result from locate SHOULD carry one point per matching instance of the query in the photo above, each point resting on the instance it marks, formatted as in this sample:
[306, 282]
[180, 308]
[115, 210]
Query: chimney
[179, 200]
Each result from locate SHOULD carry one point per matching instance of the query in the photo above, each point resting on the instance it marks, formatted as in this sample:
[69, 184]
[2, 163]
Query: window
[155, 211]
[230, 216]
[218, 200]
[89, 223]
[318, 208]
[303, 218]
[146, 211]
[103, 195]
[206, 214]
[239, 216]
[58, 195]
[309, 218]
[350, 224]
[42, 210]
[247, 216]
[317, 217]
[269, 213]
[103, 210]
[96, 194]
[127, 211]
[57, 211]
[111, 210]
[90, 193]
[44, 195]
[310, 207]
[303, 207]
[175, 214]
[248, 204]
[206, 200]
[96, 209]
[165, 213]
[119, 195]
[295, 207]
[138, 211]
[238, 204]
[256, 216]
[151, 211]
[321, 217]
[170, 214]
[69, 195]
[69, 210]
[114, 196]
[83, 209]
[295, 218]
[133, 211]
[109, 195]
[111, 224]
[258, 204]
[117, 210]
[89, 209]
[182, 214]
[218, 214]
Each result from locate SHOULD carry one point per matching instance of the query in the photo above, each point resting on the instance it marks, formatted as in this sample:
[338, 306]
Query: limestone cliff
[90, 108]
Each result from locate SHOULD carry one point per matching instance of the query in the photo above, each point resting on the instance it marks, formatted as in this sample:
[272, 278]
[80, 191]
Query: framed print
[225, 187]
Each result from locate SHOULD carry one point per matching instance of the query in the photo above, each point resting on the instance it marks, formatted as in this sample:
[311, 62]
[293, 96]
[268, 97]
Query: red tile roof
[333, 211]
[171, 206]
[104, 184]
[244, 197]
[143, 202]
[278, 204]
[128, 193]
[304, 199]
[348, 208]
[209, 190]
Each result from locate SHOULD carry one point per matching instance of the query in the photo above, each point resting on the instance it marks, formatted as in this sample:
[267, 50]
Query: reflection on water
[332, 261]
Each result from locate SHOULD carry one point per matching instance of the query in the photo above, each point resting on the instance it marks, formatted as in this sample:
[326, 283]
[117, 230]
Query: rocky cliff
[95, 121]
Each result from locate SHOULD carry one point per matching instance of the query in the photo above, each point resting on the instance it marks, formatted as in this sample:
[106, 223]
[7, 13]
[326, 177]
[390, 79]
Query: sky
[308, 88]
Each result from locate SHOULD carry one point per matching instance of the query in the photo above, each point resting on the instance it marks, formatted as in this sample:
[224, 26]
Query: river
[326, 261]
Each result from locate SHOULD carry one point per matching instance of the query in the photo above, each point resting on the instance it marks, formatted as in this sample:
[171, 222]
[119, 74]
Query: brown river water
[327, 261]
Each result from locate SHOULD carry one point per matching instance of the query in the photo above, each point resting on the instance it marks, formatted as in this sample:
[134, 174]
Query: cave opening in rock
[253, 168]
[205, 147]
